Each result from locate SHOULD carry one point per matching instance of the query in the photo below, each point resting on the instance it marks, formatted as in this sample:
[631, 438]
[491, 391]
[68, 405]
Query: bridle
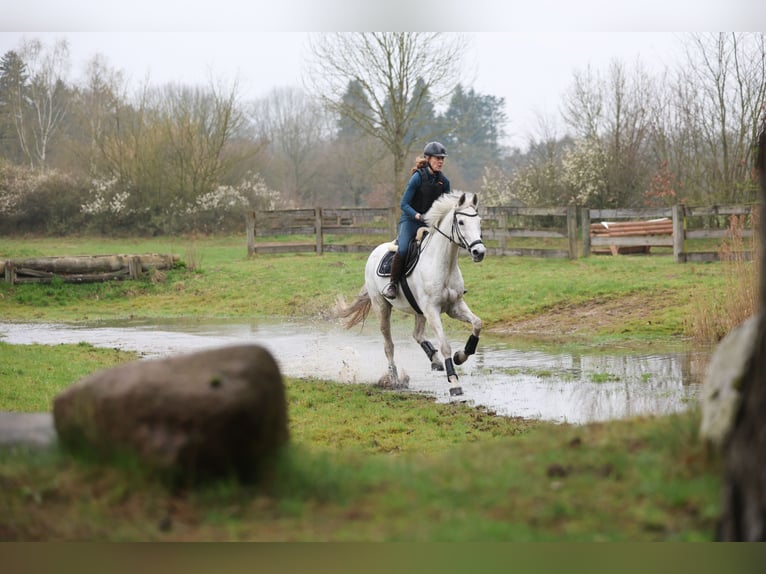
[461, 241]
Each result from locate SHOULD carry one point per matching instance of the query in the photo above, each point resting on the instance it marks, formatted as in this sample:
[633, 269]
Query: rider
[426, 184]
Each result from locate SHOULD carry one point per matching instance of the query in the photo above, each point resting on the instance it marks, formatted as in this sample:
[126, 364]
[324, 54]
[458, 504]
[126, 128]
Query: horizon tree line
[168, 158]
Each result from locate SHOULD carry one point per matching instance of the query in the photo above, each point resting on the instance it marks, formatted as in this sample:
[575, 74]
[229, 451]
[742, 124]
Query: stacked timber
[626, 230]
[83, 268]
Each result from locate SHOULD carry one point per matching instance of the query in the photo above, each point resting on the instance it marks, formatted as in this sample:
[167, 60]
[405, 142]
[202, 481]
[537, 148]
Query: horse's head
[467, 226]
[457, 219]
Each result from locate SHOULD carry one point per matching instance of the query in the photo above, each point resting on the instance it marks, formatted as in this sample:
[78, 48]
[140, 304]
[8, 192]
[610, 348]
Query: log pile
[651, 228]
[83, 268]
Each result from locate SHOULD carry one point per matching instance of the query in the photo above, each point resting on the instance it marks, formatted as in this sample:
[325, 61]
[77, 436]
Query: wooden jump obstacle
[83, 268]
[635, 236]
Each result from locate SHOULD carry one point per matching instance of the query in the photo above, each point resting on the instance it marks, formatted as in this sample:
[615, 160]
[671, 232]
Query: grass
[365, 464]
[637, 480]
[225, 283]
[32, 375]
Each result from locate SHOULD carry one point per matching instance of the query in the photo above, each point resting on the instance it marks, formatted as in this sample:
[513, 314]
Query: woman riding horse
[435, 286]
[426, 184]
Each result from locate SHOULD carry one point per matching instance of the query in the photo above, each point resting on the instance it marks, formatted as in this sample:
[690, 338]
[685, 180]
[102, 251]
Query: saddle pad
[384, 267]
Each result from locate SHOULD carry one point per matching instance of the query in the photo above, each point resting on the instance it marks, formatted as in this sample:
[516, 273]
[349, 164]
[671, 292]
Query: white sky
[525, 54]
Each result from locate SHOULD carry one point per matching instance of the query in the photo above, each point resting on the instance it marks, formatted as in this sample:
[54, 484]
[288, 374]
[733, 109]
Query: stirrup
[389, 292]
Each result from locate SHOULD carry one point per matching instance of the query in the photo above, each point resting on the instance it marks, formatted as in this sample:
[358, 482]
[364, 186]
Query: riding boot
[397, 266]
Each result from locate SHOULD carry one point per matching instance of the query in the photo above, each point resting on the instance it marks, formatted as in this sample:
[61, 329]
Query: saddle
[410, 261]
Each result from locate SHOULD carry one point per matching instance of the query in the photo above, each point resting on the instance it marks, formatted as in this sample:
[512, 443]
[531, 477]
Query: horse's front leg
[434, 319]
[419, 335]
[461, 311]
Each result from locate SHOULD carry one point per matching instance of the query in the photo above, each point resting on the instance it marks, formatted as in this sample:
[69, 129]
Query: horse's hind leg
[419, 335]
[391, 378]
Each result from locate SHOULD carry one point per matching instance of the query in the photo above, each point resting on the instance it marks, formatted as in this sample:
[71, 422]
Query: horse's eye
[461, 222]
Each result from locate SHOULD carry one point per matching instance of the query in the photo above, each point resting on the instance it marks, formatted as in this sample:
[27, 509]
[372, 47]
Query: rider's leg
[407, 231]
[397, 267]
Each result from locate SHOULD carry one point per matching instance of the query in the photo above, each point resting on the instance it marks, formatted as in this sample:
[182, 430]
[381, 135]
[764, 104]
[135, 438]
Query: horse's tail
[356, 312]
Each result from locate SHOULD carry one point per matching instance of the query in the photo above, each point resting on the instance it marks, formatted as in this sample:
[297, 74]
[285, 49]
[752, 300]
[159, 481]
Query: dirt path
[598, 316]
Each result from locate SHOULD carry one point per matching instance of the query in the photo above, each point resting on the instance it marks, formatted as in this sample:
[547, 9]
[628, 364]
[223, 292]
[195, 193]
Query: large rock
[721, 391]
[202, 414]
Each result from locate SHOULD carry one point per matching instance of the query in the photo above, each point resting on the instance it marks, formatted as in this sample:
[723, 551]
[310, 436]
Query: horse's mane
[442, 206]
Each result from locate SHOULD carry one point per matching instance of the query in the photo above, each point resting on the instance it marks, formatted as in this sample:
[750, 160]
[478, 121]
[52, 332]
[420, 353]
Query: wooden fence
[501, 226]
[688, 223]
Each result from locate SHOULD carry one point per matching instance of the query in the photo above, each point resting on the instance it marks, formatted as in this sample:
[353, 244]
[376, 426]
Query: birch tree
[48, 69]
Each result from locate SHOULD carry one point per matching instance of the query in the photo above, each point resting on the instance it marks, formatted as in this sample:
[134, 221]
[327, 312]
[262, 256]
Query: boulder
[209, 413]
[720, 395]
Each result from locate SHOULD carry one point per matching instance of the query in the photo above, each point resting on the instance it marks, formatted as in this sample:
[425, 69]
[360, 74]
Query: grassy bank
[366, 464]
[652, 296]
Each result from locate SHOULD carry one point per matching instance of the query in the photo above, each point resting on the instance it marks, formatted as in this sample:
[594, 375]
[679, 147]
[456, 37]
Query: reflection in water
[531, 382]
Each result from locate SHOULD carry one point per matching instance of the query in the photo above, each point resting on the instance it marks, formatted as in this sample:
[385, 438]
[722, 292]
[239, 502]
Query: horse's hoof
[437, 366]
[455, 391]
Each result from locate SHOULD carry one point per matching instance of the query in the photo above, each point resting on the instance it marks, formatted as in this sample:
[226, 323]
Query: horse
[435, 285]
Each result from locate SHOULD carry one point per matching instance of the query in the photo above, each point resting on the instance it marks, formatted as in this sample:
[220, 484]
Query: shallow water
[511, 378]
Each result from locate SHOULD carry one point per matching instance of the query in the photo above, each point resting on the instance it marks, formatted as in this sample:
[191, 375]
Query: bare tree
[196, 125]
[611, 114]
[48, 69]
[397, 74]
[722, 92]
[102, 93]
[295, 127]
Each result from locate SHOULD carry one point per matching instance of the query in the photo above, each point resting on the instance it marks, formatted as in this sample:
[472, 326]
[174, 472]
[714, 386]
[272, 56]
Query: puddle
[510, 379]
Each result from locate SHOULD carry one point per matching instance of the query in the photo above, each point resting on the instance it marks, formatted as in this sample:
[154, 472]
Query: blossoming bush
[35, 201]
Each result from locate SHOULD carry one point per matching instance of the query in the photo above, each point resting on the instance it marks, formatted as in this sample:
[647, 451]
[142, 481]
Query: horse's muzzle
[478, 251]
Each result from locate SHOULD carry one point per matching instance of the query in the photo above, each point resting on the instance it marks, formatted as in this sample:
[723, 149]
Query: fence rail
[502, 227]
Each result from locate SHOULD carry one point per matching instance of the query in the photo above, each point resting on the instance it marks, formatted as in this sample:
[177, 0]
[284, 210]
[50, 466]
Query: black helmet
[435, 149]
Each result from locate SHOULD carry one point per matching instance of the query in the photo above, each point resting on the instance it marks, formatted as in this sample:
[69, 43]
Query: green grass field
[366, 464]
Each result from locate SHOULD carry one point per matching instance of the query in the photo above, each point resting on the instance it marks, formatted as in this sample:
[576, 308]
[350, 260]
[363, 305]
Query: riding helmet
[435, 149]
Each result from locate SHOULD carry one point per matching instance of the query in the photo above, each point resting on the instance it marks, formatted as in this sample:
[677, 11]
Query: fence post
[318, 229]
[585, 222]
[572, 230]
[392, 224]
[10, 272]
[250, 227]
[134, 267]
[679, 232]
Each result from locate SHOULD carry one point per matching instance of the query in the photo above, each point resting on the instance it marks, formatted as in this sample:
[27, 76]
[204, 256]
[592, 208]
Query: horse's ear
[475, 200]
[461, 201]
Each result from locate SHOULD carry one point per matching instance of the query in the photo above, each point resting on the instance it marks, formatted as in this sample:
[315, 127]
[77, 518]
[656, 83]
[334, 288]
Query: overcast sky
[525, 52]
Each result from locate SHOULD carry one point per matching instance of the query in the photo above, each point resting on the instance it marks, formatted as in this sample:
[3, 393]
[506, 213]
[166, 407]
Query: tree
[13, 101]
[721, 92]
[295, 126]
[103, 92]
[474, 125]
[396, 74]
[610, 115]
[47, 69]
[353, 99]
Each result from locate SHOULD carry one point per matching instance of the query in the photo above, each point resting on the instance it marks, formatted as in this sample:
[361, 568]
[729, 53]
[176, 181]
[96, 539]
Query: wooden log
[76, 278]
[94, 263]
